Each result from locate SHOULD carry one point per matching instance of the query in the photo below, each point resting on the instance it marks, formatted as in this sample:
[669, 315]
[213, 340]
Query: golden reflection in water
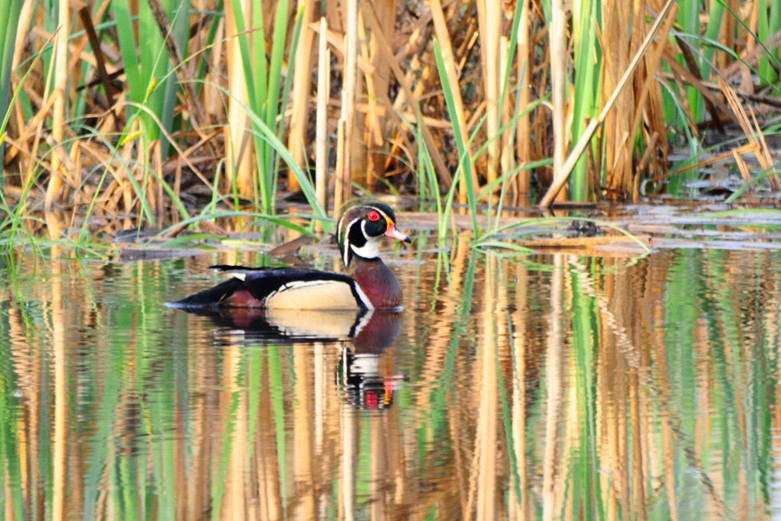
[519, 507]
[603, 388]
[57, 331]
[483, 473]
[554, 375]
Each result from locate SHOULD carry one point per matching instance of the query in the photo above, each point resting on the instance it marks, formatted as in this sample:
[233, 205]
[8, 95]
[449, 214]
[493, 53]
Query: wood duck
[368, 284]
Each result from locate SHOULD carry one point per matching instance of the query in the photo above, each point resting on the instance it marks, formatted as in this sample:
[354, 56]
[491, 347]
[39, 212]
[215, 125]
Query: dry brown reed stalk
[385, 10]
[745, 149]
[299, 102]
[321, 140]
[60, 85]
[747, 83]
[745, 173]
[748, 59]
[754, 135]
[238, 143]
[559, 80]
[616, 129]
[449, 58]
[370, 138]
[506, 152]
[524, 65]
[346, 123]
[489, 18]
[408, 95]
[28, 9]
[645, 106]
[669, 9]
[212, 97]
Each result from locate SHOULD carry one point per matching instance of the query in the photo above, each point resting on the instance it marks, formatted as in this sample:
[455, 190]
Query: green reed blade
[278, 408]
[284, 100]
[585, 335]
[588, 70]
[10, 457]
[464, 165]
[9, 20]
[712, 31]
[507, 416]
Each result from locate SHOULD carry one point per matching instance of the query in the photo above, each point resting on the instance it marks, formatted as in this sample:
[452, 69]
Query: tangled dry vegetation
[130, 112]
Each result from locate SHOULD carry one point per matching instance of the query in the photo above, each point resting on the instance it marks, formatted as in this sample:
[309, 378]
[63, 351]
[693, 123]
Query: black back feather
[260, 283]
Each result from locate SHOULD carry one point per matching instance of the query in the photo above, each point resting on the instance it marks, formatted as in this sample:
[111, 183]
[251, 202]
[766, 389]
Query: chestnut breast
[378, 282]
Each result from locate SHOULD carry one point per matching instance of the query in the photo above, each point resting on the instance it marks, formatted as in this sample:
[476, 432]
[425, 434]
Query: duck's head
[360, 228]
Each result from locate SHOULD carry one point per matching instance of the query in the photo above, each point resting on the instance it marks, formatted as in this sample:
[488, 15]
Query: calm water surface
[539, 387]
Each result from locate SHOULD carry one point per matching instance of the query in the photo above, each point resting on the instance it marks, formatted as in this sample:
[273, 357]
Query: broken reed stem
[753, 133]
[670, 8]
[321, 137]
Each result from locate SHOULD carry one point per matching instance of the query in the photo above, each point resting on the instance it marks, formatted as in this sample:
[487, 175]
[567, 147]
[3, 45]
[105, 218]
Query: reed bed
[127, 113]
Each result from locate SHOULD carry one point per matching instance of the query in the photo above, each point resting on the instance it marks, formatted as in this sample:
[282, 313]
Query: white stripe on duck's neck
[368, 251]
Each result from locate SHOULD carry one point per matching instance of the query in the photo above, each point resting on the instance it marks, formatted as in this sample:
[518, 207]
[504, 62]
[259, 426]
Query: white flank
[309, 295]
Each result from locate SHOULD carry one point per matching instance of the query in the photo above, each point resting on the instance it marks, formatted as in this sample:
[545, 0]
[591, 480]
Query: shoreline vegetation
[162, 114]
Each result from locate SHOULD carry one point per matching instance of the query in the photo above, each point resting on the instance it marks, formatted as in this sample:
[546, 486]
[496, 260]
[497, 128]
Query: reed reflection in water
[535, 388]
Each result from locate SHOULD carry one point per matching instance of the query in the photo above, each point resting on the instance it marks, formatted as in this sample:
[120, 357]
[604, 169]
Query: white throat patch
[370, 250]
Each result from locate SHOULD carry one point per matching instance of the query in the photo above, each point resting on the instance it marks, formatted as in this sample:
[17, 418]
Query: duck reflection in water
[364, 336]
[359, 377]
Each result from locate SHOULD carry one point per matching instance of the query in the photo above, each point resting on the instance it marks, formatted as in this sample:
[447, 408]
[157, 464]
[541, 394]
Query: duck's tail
[210, 298]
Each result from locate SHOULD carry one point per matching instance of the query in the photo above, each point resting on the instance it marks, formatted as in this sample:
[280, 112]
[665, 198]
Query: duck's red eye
[373, 215]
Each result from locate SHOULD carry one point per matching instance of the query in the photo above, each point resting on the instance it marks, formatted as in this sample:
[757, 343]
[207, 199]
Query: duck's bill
[394, 233]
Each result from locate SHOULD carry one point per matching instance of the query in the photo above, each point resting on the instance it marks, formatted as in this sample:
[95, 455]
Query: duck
[367, 284]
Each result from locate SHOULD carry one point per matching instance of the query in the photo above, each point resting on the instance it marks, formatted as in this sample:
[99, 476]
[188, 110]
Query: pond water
[529, 387]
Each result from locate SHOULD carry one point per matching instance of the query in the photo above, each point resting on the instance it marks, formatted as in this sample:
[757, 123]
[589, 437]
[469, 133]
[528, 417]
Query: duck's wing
[280, 288]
